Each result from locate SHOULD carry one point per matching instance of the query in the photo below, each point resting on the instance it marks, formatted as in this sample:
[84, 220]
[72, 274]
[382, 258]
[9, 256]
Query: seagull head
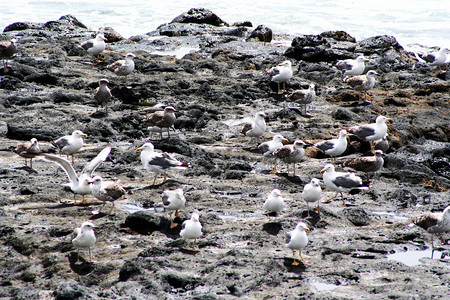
[87, 225]
[146, 147]
[100, 37]
[195, 217]
[169, 109]
[97, 180]
[279, 138]
[34, 141]
[299, 144]
[130, 56]
[103, 81]
[362, 59]
[261, 114]
[79, 133]
[327, 168]
[342, 133]
[315, 182]
[372, 73]
[285, 64]
[276, 192]
[302, 226]
[382, 119]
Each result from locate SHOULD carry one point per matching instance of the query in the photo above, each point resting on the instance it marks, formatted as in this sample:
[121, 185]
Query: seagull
[435, 59]
[303, 97]
[173, 200]
[334, 147]
[70, 144]
[162, 119]
[434, 223]
[352, 66]
[291, 153]
[102, 94]
[281, 74]
[298, 241]
[95, 46]
[192, 230]
[274, 202]
[106, 191]
[340, 182]
[371, 132]
[362, 83]
[366, 164]
[159, 162]
[268, 148]
[257, 127]
[312, 192]
[381, 144]
[123, 67]
[28, 150]
[80, 184]
[85, 239]
[7, 50]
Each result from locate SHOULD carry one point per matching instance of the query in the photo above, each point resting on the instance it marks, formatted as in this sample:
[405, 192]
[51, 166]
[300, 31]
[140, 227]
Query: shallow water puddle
[178, 53]
[323, 286]
[413, 257]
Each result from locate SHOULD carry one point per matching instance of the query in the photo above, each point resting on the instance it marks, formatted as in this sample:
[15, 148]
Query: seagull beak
[139, 149]
[323, 170]
[307, 229]
[367, 60]
[84, 135]
[285, 140]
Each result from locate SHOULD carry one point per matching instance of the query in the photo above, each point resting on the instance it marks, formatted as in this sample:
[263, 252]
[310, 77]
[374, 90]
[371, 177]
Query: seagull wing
[93, 164]
[65, 164]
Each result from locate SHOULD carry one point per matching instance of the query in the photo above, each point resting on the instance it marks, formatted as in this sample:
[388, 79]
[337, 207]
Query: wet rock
[339, 35]
[358, 216]
[200, 16]
[262, 34]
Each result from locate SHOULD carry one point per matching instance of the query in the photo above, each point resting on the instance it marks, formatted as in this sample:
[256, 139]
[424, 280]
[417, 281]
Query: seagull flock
[86, 183]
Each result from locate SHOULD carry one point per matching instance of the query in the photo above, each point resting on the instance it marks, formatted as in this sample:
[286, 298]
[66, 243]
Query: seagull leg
[78, 262]
[307, 203]
[154, 180]
[294, 263]
[274, 171]
[172, 223]
[318, 207]
[165, 178]
[110, 211]
[343, 201]
[328, 200]
[302, 259]
[83, 200]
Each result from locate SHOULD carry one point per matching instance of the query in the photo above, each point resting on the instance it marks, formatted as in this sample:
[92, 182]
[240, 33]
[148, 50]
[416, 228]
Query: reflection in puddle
[323, 286]
[413, 257]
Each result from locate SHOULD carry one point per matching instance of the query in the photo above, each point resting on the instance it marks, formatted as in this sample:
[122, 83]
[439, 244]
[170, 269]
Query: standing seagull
[159, 162]
[95, 46]
[70, 144]
[298, 241]
[192, 230]
[7, 50]
[257, 127]
[334, 147]
[123, 67]
[371, 132]
[106, 191]
[80, 184]
[312, 192]
[362, 83]
[281, 74]
[162, 119]
[303, 97]
[274, 202]
[435, 59]
[366, 164]
[434, 223]
[102, 94]
[173, 200]
[352, 66]
[28, 150]
[268, 148]
[85, 239]
[291, 153]
[340, 182]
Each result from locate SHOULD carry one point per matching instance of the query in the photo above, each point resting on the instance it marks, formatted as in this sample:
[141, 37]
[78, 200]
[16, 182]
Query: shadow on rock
[81, 269]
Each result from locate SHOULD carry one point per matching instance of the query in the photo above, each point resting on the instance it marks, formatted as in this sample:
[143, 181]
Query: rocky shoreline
[214, 74]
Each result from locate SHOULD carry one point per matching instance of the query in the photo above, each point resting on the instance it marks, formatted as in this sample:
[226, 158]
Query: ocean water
[424, 22]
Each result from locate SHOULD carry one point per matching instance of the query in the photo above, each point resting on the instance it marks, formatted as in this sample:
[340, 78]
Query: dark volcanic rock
[200, 16]
[262, 34]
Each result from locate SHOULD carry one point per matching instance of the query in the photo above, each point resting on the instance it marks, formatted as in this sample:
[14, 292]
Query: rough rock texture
[215, 76]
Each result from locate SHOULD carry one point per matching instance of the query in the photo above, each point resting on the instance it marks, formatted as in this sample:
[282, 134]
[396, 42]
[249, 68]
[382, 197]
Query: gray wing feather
[93, 164]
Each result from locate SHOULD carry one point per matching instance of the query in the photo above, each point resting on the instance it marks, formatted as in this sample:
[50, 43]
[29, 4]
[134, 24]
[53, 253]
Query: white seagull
[95, 46]
[80, 184]
[312, 192]
[274, 202]
[436, 58]
[85, 239]
[70, 144]
[159, 162]
[28, 150]
[192, 230]
[123, 67]
[362, 83]
[298, 241]
[340, 181]
[352, 66]
[434, 223]
[106, 191]
[268, 148]
[173, 200]
[257, 127]
[281, 74]
[371, 132]
[334, 147]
